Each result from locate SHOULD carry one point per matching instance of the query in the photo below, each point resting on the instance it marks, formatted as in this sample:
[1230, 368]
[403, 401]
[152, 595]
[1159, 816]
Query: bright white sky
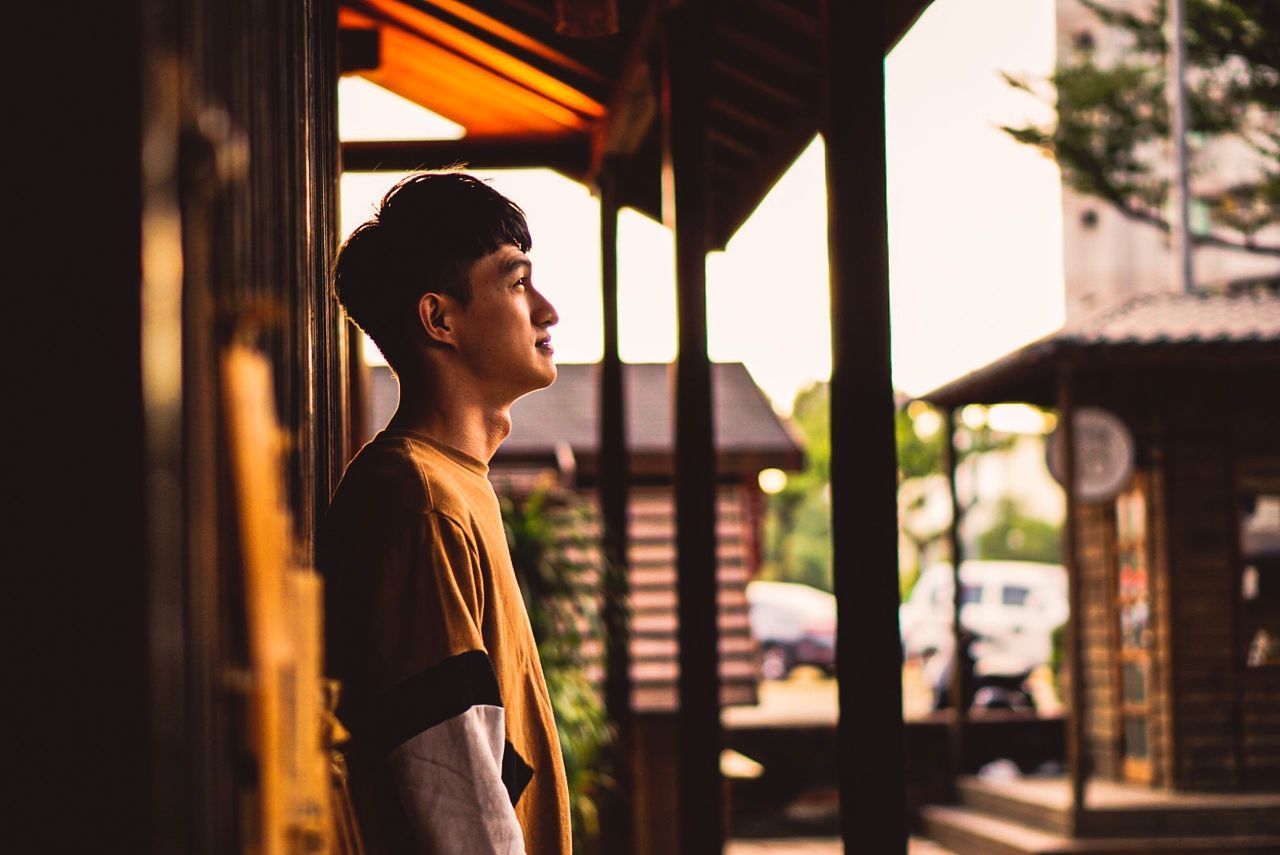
[975, 231]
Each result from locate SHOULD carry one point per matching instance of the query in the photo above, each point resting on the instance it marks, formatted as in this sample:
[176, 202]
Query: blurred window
[1259, 568]
[1133, 607]
[1015, 595]
[970, 594]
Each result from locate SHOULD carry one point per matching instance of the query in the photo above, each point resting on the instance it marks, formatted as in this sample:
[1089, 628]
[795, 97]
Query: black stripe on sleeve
[441, 692]
[516, 774]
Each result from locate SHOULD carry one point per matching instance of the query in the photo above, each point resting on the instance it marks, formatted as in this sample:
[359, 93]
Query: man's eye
[522, 281]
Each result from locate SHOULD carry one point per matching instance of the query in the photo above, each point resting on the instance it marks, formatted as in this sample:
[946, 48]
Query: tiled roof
[567, 412]
[1207, 319]
[1178, 318]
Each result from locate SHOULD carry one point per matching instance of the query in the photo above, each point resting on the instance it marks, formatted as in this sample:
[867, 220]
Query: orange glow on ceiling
[467, 80]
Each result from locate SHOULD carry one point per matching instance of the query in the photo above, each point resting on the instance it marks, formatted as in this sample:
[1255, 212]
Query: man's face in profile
[503, 333]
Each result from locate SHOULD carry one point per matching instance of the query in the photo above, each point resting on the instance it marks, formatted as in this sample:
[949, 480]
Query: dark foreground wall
[175, 177]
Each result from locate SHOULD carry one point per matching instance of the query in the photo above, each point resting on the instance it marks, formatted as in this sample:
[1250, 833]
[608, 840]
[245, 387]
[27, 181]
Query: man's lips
[545, 344]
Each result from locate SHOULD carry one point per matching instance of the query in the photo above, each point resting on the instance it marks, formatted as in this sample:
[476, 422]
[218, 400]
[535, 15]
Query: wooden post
[617, 820]
[1180, 187]
[687, 31]
[959, 707]
[1077, 752]
[870, 732]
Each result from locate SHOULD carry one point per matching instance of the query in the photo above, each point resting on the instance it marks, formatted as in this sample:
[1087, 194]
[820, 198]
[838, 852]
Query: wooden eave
[1029, 374]
[521, 91]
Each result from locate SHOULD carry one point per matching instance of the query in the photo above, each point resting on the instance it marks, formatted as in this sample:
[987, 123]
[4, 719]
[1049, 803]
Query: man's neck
[470, 426]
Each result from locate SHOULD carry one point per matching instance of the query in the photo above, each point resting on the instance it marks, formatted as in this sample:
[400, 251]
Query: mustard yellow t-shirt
[454, 746]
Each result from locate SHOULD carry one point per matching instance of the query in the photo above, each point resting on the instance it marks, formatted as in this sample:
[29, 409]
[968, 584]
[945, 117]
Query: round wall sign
[1104, 455]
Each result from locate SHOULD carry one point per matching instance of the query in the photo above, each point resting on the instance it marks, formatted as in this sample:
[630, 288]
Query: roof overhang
[529, 96]
[1030, 375]
[1238, 326]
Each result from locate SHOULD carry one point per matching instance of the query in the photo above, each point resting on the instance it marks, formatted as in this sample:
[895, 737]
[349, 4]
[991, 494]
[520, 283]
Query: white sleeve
[449, 779]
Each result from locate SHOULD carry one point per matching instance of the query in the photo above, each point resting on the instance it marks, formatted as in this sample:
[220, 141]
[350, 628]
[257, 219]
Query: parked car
[793, 625]
[1009, 610]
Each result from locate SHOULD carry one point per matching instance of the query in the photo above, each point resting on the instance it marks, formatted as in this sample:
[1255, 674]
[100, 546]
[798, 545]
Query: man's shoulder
[395, 478]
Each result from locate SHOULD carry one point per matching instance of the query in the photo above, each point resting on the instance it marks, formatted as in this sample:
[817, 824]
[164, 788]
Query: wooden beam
[789, 16]
[768, 49]
[738, 202]
[524, 35]
[585, 19]
[432, 26]
[569, 154]
[685, 108]
[733, 146]
[900, 16]
[750, 119]
[1077, 749]
[631, 105]
[475, 97]
[746, 73]
[618, 815]
[870, 733]
[359, 49]
[959, 705]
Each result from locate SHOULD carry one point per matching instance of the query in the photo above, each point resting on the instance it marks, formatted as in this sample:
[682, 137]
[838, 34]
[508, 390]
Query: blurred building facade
[1108, 258]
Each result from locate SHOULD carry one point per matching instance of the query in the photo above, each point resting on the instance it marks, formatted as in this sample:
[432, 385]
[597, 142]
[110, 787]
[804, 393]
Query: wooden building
[1174, 670]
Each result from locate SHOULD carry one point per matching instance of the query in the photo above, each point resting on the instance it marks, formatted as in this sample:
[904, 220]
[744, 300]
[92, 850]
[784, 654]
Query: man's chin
[541, 380]
[543, 375]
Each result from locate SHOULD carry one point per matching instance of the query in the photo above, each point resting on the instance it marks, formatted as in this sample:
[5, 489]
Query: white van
[1011, 607]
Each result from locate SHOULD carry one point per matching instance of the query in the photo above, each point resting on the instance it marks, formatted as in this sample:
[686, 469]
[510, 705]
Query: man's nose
[547, 315]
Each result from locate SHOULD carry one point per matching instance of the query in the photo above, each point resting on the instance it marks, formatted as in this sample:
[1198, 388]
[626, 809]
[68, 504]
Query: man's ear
[435, 315]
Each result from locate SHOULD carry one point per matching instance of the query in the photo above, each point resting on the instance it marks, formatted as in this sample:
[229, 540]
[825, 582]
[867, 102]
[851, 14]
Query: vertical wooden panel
[1203, 671]
[317, 85]
[686, 79]
[617, 830]
[1163, 729]
[1094, 575]
[870, 732]
[259, 190]
[956, 689]
[1077, 752]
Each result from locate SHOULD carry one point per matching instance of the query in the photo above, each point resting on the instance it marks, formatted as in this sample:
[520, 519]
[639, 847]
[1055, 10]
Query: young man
[454, 747]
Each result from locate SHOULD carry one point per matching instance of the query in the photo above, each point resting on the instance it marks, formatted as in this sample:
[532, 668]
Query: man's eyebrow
[517, 262]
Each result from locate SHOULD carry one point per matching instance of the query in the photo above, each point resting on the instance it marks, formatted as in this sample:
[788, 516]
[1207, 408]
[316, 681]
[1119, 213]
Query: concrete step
[968, 831]
[1010, 804]
[1116, 810]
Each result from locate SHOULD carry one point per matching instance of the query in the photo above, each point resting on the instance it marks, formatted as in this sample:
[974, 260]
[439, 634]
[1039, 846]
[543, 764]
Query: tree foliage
[1110, 137]
[1015, 536]
[549, 534]
[797, 535]
[917, 456]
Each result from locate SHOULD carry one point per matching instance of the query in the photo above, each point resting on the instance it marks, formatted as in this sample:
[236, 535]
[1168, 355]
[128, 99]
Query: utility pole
[1180, 227]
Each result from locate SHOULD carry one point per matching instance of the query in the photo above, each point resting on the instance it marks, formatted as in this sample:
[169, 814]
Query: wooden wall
[1162, 722]
[1095, 556]
[248, 91]
[653, 589]
[653, 599]
[1255, 432]
[1098, 564]
[1203, 604]
[1215, 724]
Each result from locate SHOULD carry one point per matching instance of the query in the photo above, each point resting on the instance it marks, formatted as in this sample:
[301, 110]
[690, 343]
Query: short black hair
[425, 235]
